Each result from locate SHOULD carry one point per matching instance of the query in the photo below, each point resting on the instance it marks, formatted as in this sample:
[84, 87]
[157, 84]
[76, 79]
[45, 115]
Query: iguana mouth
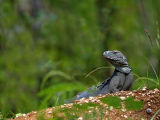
[111, 59]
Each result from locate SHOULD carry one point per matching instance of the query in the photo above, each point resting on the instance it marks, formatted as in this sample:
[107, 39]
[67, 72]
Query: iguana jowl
[121, 79]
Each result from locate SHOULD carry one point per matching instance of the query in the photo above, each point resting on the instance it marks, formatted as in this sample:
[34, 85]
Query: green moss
[75, 111]
[50, 119]
[94, 115]
[65, 110]
[70, 116]
[41, 116]
[87, 116]
[112, 101]
[58, 118]
[131, 104]
[101, 114]
[85, 106]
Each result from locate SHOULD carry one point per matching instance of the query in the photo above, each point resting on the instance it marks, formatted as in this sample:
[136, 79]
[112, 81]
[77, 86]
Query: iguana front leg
[117, 82]
[128, 82]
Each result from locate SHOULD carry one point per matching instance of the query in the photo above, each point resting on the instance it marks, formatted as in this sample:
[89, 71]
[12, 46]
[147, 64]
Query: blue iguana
[121, 79]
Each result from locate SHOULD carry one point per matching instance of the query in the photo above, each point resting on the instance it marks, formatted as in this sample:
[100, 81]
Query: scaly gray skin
[121, 79]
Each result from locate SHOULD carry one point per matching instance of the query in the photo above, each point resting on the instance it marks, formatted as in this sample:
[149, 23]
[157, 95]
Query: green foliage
[131, 104]
[113, 101]
[53, 74]
[57, 91]
[45, 57]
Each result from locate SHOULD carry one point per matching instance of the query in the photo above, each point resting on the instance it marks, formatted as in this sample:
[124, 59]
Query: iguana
[121, 79]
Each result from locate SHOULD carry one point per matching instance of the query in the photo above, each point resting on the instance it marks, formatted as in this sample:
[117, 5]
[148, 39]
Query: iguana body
[121, 79]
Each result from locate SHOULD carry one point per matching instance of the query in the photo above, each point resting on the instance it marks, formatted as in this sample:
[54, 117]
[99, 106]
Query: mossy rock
[75, 111]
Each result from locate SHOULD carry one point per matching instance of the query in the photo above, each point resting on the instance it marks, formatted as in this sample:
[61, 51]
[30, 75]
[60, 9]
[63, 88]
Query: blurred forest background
[48, 46]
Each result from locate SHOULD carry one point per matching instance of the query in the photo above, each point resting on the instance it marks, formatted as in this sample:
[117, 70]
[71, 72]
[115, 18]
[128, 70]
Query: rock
[149, 110]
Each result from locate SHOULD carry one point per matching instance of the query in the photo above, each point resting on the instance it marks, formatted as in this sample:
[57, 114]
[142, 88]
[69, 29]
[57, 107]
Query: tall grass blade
[157, 42]
[148, 35]
[154, 71]
[96, 70]
[158, 81]
[149, 79]
[57, 100]
[155, 114]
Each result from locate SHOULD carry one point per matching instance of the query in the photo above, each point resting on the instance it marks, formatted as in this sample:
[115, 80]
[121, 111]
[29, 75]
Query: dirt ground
[151, 99]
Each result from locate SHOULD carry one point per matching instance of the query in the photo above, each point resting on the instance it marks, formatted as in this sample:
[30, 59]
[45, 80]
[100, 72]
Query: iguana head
[118, 60]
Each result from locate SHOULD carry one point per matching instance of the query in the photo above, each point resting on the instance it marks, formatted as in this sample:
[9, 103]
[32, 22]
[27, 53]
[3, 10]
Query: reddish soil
[151, 100]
